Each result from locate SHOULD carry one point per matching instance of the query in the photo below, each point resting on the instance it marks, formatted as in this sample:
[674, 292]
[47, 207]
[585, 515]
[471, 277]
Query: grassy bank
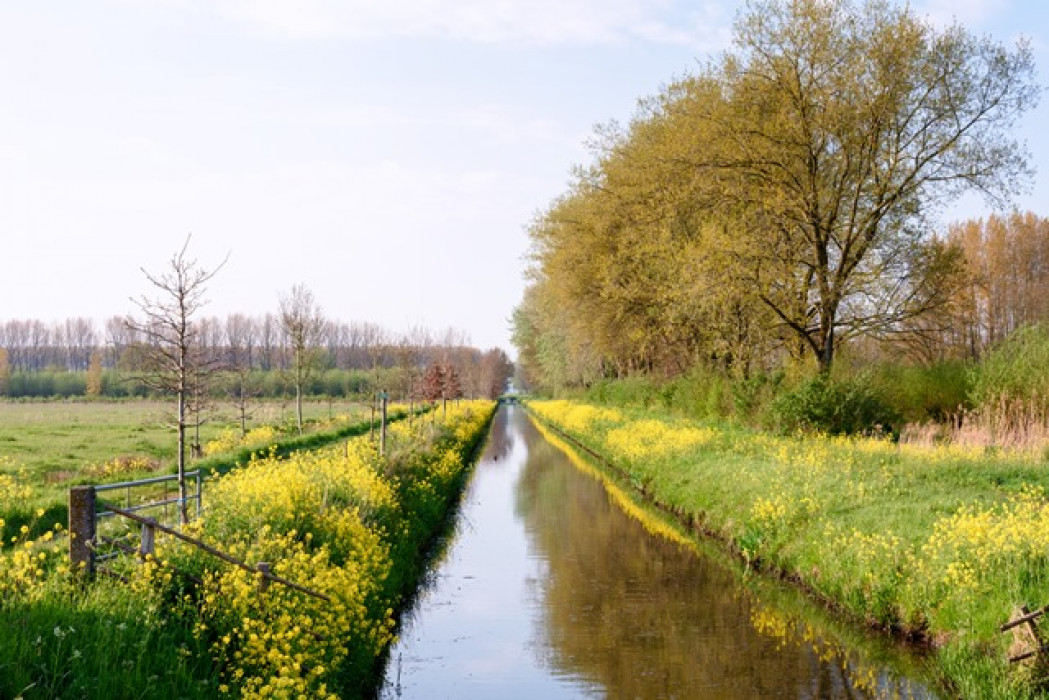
[935, 543]
[341, 520]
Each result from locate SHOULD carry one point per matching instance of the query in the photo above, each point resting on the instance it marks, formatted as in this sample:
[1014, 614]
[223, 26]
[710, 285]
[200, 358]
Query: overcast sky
[388, 154]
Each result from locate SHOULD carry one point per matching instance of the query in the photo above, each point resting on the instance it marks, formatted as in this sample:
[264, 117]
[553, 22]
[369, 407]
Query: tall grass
[1007, 402]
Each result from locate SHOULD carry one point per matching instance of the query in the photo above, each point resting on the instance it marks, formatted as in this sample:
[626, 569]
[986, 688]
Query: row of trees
[1002, 286]
[396, 365]
[170, 352]
[257, 342]
[776, 204]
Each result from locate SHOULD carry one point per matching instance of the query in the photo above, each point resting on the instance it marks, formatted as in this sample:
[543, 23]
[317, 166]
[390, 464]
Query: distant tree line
[39, 359]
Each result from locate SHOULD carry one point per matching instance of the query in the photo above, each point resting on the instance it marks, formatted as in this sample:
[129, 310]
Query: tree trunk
[183, 512]
[298, 407]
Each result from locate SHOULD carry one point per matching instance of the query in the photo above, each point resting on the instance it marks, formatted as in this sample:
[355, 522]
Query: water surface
[546, 589]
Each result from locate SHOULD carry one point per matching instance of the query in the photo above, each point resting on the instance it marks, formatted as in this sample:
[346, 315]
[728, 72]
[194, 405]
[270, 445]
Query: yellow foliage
[974, 544]
[318, 518]
[324, 519]
[230, 439]
[14, 490]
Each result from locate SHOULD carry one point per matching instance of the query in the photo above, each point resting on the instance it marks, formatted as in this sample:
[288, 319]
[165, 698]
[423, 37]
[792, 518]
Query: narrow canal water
[546, 589]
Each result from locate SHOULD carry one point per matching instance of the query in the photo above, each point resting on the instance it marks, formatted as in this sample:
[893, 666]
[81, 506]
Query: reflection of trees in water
[646, 618]
[499, 444]
[500, 436]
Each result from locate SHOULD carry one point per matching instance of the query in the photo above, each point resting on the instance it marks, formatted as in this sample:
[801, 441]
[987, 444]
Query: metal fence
[88, 514]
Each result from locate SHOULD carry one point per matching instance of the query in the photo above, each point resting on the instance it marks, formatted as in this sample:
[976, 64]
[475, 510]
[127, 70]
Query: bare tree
[241, 387]
[81, 341]
[118, 336]
[303, 327]
[170, 357]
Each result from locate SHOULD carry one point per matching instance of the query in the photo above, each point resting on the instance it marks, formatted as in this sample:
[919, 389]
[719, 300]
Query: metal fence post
[82, 529]
[382, 433]
[200, 492]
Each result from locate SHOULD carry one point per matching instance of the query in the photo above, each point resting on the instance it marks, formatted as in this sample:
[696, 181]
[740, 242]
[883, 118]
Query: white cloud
[484, 21]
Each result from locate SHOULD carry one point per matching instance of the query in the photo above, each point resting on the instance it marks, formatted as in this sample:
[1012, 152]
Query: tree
[495, 371]
[94, 375]
[409, 353]
[5, 372]
[241, 386]
[820, 143]
[303, 325]
[1004, 284]
[441, 381]
[169, 356]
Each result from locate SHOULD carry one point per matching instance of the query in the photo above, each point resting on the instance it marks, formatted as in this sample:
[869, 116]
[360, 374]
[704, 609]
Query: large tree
[821, 143]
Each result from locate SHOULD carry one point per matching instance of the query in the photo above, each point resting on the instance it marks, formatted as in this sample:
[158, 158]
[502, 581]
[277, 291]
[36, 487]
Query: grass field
[47, 446]
[54, 441]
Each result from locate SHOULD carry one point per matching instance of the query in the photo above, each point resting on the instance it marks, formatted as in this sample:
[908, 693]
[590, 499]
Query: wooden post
[82, 529]
[1027, 643]
[149, 532]
[264, 568]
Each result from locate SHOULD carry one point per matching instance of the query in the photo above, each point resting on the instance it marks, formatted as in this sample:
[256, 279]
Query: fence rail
[1027, 641]
[150, 525]
[86, 509]
[126, 486]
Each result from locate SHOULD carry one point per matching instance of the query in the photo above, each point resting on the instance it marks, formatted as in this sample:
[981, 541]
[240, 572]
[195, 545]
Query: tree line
[61, 358]
[779, 204]
[33, 345]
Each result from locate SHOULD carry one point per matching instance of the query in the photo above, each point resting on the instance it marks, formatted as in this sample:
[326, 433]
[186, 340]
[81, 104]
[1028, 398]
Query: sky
[387, 154]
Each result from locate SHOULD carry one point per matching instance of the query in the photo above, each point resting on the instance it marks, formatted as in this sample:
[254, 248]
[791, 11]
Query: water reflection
[548, 590]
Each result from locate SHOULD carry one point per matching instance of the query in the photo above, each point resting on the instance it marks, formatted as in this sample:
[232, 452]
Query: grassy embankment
[936, 543]
[48, 446]
[341, 520]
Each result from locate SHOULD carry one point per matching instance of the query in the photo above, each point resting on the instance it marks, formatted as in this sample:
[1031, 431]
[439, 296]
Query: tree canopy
[779, 201]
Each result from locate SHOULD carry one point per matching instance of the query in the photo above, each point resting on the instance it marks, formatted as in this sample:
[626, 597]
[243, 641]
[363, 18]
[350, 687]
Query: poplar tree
[5, 372]
[94, 375]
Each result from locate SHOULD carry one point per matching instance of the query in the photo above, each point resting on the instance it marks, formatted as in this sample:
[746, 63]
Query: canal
[545, 588]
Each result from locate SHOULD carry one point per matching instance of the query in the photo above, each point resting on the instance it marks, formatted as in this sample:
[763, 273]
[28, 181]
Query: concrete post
[82, 529]
[149, 533]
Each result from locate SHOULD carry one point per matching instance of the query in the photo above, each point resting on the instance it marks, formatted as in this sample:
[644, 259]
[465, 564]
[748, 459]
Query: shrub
[923, 393]
[836, 407]
[1015, 371]
[637, 390]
